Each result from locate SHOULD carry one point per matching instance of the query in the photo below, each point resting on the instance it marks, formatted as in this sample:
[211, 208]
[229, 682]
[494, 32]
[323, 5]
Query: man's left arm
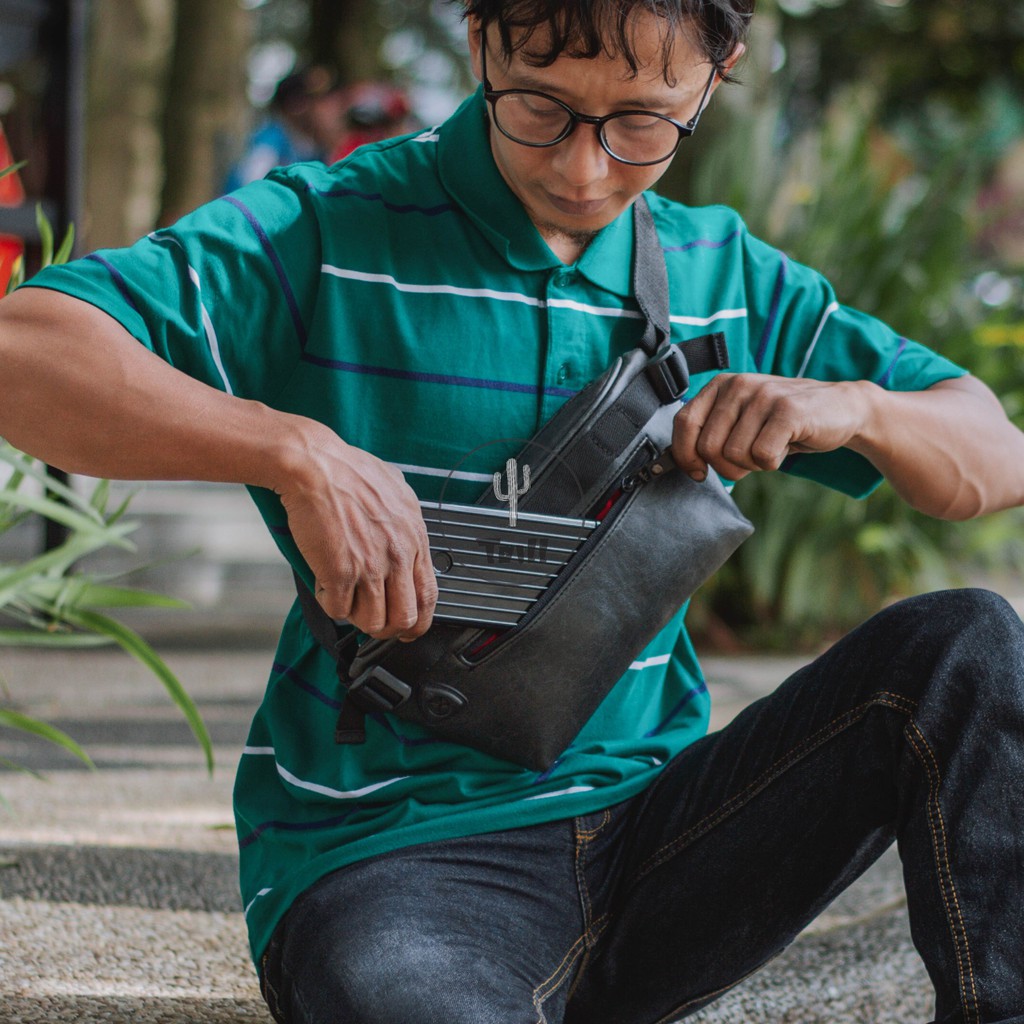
[949, 451]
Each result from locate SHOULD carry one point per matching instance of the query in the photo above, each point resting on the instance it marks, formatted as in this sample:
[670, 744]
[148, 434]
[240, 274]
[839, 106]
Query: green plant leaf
[14, 579]
[55, 510]
[51, 639]
[66, 246]
[6, 762]
[45, 230]
[24, 723]
[94, 595]
[142, 652]
[31, 468]
[12, 169]
[100, 496]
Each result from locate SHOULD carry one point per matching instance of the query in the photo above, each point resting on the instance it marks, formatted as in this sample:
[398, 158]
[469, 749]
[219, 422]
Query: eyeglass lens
[538, 120]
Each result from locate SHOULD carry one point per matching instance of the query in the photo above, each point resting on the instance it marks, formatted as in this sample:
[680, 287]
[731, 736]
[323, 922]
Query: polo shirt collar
[470, 176]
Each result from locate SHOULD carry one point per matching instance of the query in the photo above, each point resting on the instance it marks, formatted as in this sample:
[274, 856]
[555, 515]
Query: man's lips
[575, 207]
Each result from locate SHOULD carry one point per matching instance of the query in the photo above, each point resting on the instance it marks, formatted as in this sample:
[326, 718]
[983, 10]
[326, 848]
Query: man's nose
[580, 159]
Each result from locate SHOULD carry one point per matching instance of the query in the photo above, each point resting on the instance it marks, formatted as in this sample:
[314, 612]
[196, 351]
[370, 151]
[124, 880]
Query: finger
[425, 584]
[686, 431]
[720, 442]
[757, 440]
[773, 444]
[335, 598]
[400, 600]
[369, 607]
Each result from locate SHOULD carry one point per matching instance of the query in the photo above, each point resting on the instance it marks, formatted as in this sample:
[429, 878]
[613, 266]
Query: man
[305, 119]
[346, 341]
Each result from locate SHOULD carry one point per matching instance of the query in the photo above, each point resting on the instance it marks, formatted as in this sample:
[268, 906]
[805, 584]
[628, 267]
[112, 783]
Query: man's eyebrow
[520, 80]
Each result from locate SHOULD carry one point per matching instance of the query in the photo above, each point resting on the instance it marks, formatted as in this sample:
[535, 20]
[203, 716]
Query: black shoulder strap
[650, 286]
[650, 279]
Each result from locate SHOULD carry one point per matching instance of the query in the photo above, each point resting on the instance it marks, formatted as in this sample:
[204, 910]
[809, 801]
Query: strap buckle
[379, 689]
[668, 374]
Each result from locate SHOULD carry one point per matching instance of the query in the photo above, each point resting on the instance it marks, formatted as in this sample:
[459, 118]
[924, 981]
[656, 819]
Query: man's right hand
[359, 526]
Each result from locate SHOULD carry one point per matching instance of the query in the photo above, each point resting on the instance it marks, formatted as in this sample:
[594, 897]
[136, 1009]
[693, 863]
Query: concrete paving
[118, 897]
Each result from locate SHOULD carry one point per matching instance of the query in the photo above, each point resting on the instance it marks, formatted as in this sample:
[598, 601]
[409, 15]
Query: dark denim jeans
[911, 728]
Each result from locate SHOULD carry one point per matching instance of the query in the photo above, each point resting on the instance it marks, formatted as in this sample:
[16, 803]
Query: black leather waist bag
[523, 693]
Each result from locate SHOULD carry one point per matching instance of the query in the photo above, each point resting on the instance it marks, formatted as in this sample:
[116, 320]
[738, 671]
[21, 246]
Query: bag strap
[666, 379]
[650, 279]
[650, 286]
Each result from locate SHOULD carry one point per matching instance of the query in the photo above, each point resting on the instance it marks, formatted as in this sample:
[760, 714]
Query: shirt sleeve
[225, 295]
[800, 329]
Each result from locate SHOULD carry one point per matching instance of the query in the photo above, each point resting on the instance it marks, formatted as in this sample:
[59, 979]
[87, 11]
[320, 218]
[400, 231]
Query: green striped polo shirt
[404, 298]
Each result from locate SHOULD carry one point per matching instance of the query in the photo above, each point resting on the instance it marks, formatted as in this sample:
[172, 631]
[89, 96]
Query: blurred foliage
[47, 600]
[947, 51]
[895, 233]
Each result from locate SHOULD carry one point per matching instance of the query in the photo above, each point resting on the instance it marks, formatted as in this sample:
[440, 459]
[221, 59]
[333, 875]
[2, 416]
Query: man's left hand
[743, 422]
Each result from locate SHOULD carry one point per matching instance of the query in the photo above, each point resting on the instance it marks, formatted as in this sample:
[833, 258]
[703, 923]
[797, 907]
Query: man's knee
[397, 976]
[967, 624]
[964, 648]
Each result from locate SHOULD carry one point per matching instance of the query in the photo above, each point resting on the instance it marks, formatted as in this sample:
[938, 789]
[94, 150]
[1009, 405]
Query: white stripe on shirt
[315, 787]
[431, 289]
[476, 478]
[527, 300]
[657, 659]
[208, 328]
[830, 309]
[262, 892]
[703, 321]
[337, 794]
[211, 334]
[562, 792]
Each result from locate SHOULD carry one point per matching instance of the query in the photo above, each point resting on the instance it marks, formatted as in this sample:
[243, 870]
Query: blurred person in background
[373, 111]
[306, 118]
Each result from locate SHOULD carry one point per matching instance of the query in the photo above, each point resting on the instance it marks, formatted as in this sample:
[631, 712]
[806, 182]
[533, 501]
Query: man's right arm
[80, 393]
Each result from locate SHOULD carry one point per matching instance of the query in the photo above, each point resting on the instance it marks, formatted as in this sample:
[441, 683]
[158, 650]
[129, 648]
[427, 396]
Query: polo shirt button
[563, 373]
[563, 279]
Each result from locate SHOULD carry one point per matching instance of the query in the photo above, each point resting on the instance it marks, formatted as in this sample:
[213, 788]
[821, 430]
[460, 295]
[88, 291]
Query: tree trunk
[206, 112]
[129, 44]
[347, 36]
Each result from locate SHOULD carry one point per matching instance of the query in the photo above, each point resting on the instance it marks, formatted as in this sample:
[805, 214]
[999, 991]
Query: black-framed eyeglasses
[638, 137]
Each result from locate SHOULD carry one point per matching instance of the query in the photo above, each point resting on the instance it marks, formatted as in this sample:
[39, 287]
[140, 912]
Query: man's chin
[578, 236]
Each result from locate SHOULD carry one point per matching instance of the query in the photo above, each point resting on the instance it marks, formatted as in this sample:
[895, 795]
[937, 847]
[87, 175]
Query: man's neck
[567, 246]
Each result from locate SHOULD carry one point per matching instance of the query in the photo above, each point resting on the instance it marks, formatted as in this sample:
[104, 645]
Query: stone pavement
[118, 899]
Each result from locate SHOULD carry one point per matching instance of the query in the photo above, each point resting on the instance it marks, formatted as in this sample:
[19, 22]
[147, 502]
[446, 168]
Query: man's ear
[474, 34]
[737, 56]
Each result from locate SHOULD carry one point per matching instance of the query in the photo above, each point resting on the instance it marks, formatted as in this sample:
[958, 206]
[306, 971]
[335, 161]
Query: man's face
[573, 189]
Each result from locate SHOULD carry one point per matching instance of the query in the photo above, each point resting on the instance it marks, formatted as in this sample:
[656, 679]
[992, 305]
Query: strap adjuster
[668, 374]
[379, 689]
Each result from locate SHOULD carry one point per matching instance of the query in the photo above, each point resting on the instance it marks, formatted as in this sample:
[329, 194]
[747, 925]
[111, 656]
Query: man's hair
[589, 28]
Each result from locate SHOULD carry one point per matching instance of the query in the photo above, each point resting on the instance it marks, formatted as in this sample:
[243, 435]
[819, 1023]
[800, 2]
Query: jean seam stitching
[269, 991]
[582, 839]
[940, 845]
[592, 928]
[553, 982]
[591, 833]
[892, 700]
[590, 939]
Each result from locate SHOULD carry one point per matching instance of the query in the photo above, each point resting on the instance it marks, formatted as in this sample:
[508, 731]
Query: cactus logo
[514, 492]
[494, 558]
